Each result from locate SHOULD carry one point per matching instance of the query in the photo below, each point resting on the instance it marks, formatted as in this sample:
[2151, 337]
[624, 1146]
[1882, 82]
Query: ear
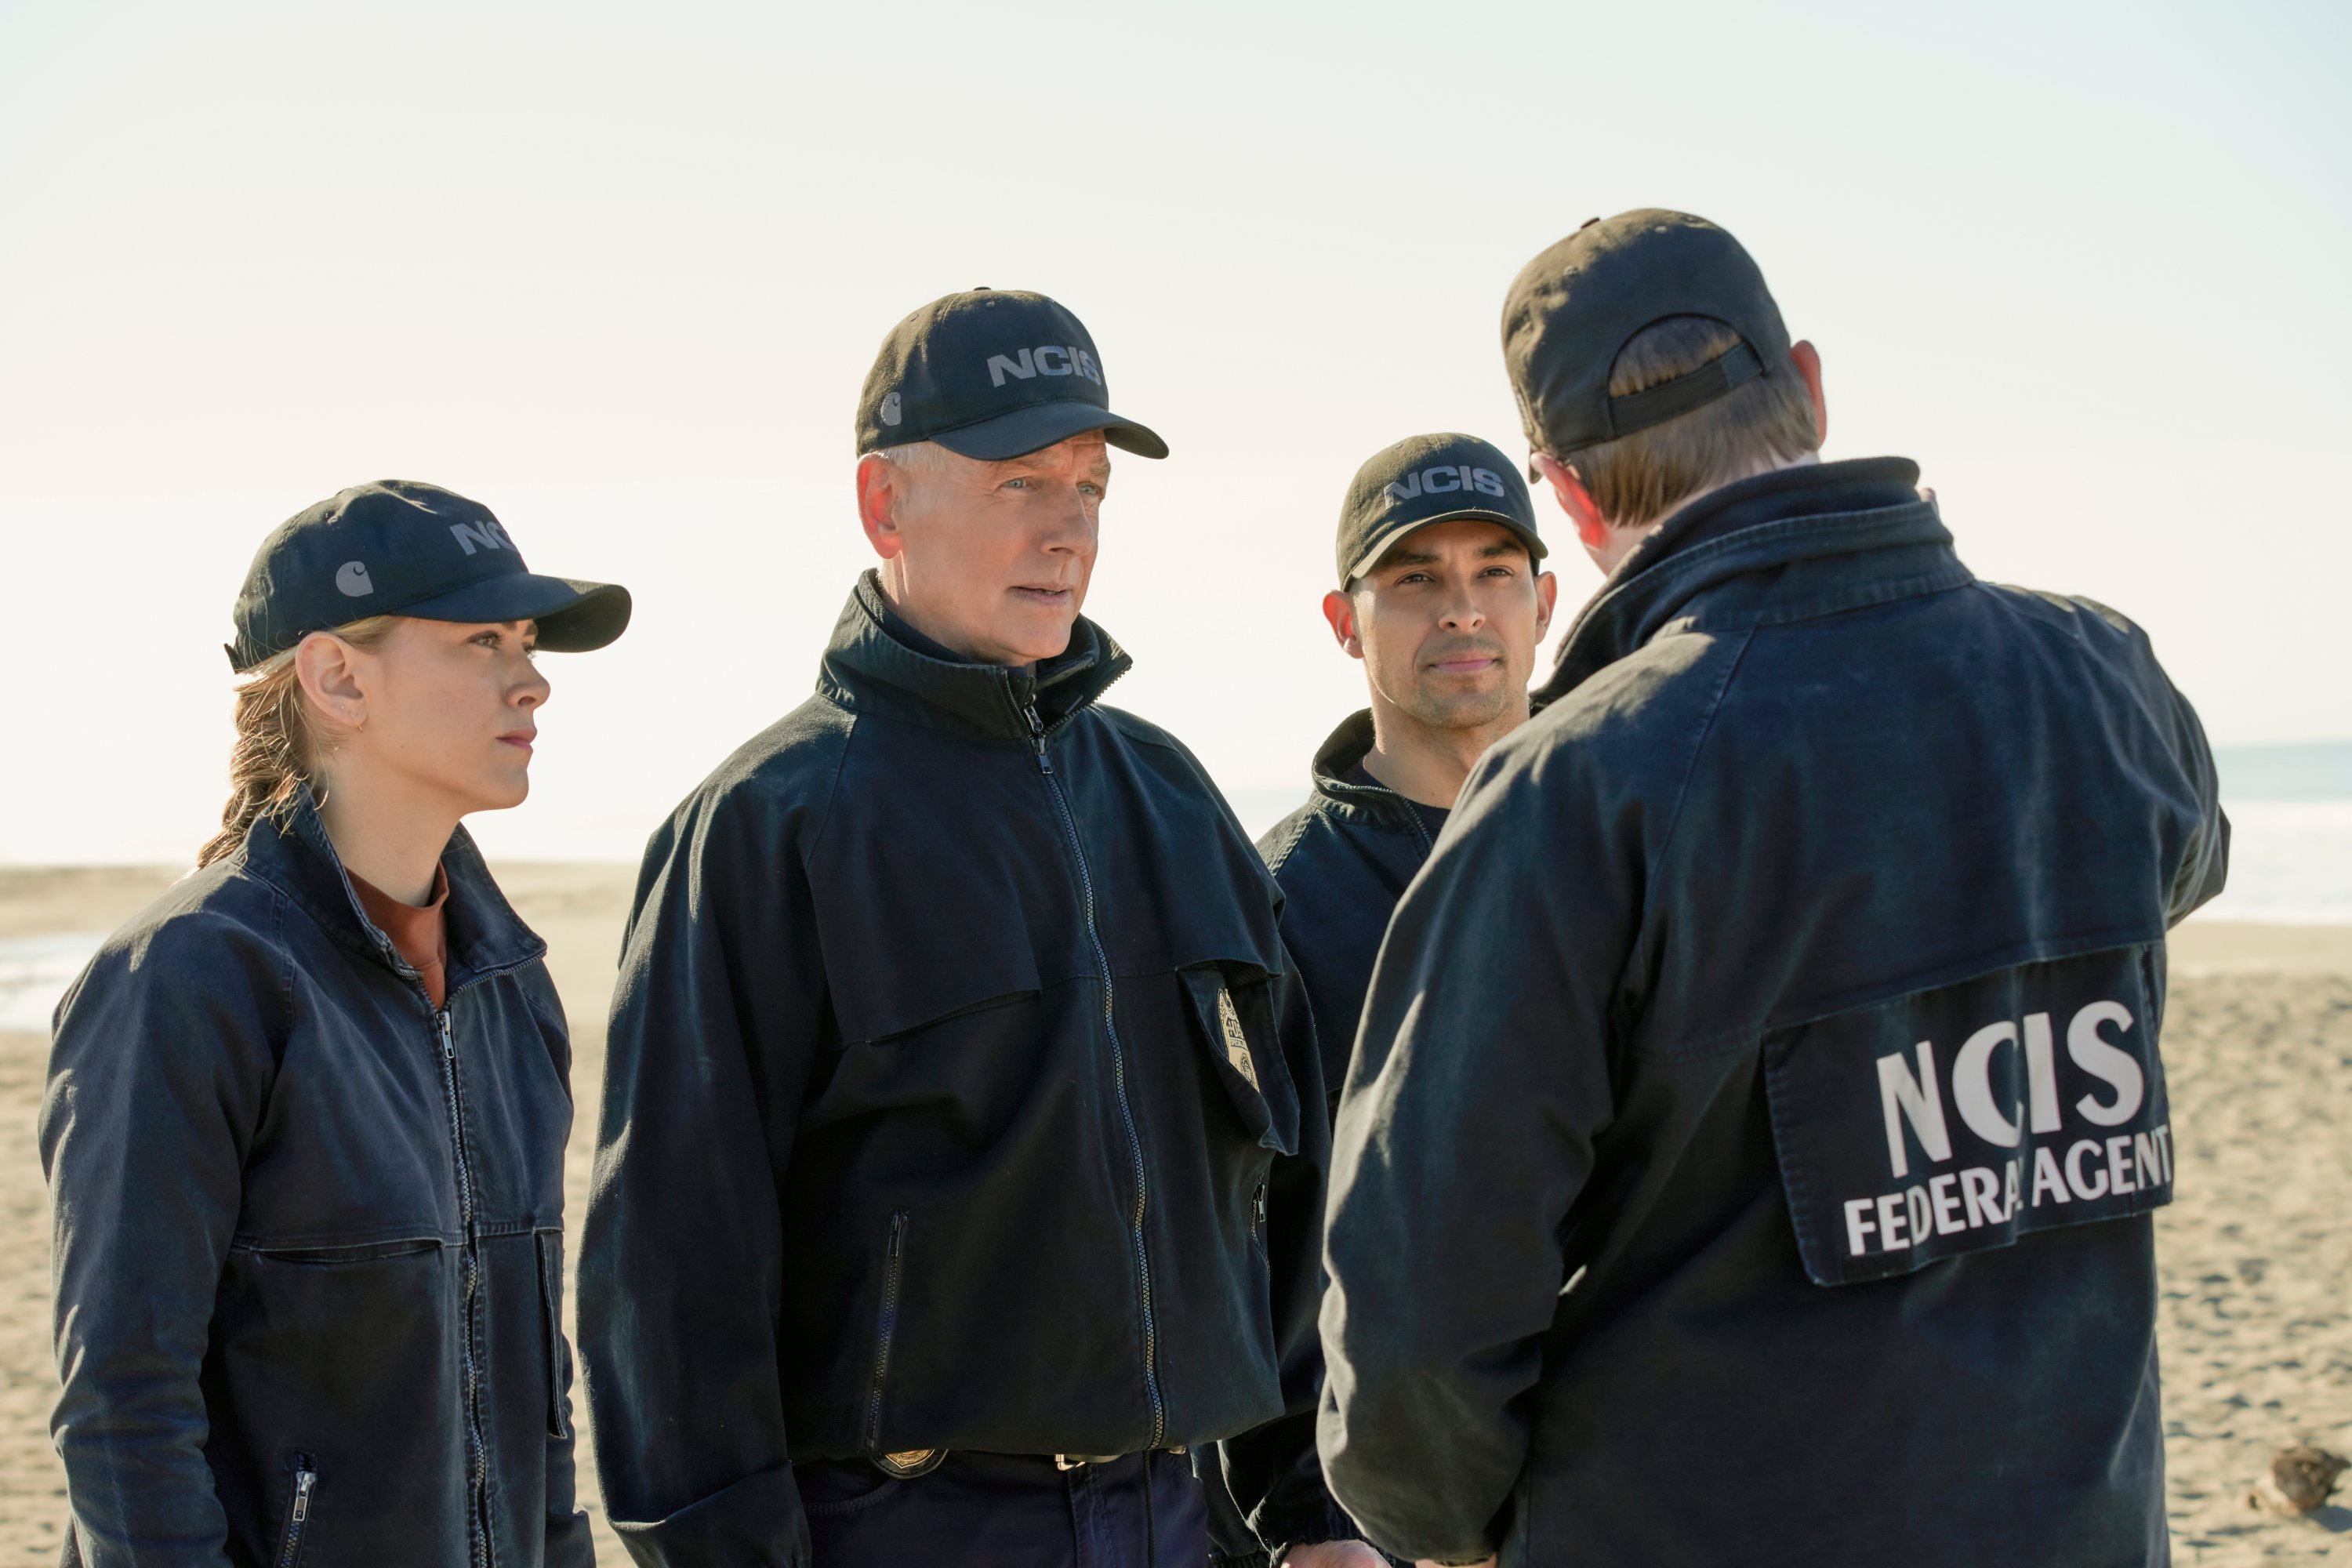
[1591, 528]
[328, 668]
[1340, 609]
[881, 495]
[1808, 362]
[1546, 596]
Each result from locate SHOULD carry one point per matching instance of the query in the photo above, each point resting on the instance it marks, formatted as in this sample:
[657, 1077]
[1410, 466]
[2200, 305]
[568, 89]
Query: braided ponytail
[273, 758]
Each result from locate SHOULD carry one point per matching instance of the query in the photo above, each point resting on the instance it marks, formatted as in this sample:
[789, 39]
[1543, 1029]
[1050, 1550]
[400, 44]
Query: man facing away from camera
[964, 1133]
[1751, 1149]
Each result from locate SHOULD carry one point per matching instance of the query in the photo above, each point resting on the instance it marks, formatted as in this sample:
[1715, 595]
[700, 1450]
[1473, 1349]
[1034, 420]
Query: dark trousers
[999, 1510]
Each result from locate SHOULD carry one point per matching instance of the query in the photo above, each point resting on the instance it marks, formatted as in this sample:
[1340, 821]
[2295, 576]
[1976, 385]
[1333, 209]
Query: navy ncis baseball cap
[400, 548]
[1430, 479]
[1573, 308]
[991, 374]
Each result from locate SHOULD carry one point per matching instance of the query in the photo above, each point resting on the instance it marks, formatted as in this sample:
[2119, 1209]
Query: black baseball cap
[1430, 479]
[1572, 309]
[991, 374]
[401, 548]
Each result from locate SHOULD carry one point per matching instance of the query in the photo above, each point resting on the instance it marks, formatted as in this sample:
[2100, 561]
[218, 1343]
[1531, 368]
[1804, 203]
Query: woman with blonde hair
[306, 1113]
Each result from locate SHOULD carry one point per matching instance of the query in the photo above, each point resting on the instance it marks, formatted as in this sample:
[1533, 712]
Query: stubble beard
[1461, 711]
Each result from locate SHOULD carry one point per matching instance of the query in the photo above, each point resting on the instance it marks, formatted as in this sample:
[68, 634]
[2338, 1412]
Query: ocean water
[2290, 835]
[2290, 863]
[33, 974]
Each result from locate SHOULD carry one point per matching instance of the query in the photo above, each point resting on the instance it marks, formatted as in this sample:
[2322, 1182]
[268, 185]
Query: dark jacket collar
[1372, 805]
[877, 661]
[486, 936]
[1793, 543]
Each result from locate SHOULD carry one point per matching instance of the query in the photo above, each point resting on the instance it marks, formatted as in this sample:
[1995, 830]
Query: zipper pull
[1037, 737]
[449, 1045]
[303, 1481]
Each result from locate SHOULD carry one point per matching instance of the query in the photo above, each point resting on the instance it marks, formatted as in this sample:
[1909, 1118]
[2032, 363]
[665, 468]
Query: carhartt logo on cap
[351, 577]
[1441, 480]
[890, 409]
[1036, 362]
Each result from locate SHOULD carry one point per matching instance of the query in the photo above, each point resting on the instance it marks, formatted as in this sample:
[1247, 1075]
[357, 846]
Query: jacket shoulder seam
[833, 784]
[1294, 830]
[1690, 766]
[1135, 727]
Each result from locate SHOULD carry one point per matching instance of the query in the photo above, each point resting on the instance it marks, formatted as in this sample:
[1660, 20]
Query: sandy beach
[2256, 1252]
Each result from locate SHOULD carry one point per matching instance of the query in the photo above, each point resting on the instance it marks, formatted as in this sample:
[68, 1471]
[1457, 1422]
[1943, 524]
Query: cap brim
[1387, 539]
[573, 617]
[1026, 430]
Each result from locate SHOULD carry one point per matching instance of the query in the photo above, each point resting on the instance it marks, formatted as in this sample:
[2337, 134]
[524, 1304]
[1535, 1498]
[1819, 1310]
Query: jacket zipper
[1119, 1078]
[298, 1514]
[1420, 828]
[893, 1249]
[469, 1266]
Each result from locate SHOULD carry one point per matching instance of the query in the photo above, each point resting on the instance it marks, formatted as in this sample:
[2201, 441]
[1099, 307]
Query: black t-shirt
[1433, 817]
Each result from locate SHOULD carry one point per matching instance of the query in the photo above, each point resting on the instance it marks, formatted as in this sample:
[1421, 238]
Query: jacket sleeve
[1272, 1472]
[2205, 858]
[161, 1064]
[1466, 1130]
[570, 1541]
[718, 1012]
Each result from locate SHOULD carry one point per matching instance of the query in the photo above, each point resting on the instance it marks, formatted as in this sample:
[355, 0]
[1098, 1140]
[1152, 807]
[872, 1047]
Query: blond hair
[274, 755]
[1765, 422]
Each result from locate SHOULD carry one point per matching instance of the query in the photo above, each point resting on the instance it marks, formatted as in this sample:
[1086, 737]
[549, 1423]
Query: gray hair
[914, 456]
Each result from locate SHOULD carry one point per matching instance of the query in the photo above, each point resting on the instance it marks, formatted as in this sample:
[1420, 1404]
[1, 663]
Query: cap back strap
[1693, 389]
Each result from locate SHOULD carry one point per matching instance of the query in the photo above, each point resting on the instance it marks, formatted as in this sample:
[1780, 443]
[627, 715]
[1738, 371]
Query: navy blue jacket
[1749, 1151]
[1342, 861]
[309, 1231]
[960, 1096]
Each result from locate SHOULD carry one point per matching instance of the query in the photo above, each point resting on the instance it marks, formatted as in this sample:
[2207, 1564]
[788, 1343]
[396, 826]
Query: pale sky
[618, 271]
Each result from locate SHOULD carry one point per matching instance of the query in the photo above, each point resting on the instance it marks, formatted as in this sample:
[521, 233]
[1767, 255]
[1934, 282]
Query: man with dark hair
[1751, 1145]
[963, 1133]
[1441, 598]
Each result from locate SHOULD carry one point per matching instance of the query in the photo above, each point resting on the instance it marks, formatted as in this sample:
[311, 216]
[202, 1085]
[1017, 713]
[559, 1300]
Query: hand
[1334, 1555]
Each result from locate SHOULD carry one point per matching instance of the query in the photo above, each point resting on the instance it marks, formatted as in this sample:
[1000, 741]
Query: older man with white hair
[963, 1139]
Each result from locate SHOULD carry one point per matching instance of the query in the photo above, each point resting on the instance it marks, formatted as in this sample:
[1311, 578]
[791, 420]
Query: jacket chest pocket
[1233, 1020]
